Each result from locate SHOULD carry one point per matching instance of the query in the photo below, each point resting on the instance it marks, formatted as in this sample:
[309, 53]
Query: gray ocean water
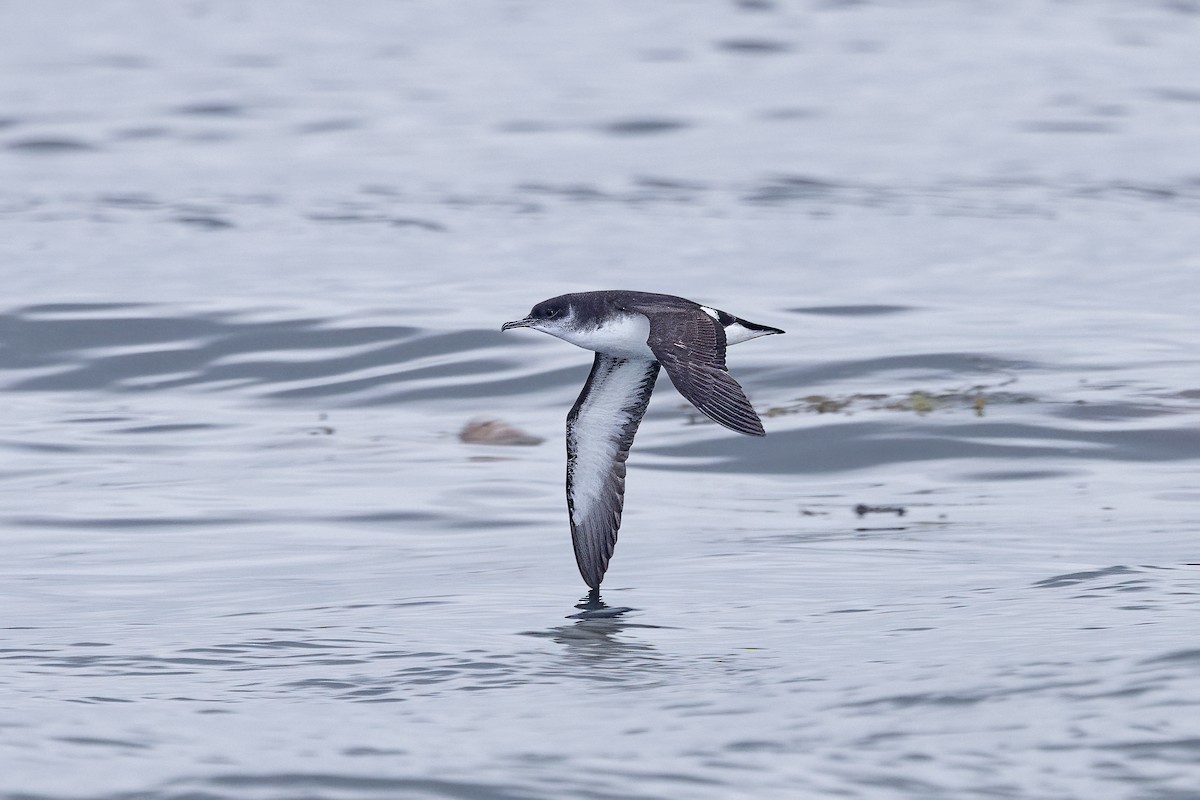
[254, 260]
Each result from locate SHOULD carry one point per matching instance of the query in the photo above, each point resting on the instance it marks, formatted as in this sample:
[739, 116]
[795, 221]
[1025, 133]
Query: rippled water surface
[255, 260]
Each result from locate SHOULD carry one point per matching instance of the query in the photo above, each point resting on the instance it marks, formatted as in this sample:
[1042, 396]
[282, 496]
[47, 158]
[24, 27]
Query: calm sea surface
[254, 260]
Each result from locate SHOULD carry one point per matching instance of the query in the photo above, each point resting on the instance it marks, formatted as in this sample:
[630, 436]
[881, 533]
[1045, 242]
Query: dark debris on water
[862, 509]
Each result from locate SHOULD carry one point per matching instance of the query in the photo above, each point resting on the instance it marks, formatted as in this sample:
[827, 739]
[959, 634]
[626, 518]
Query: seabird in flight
[632, 334]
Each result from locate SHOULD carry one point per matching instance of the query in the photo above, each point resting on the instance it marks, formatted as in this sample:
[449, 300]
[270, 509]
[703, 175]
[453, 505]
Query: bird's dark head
[549, 316]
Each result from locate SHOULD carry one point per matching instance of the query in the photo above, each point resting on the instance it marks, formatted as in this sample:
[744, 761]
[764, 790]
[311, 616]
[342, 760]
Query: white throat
[623, 336]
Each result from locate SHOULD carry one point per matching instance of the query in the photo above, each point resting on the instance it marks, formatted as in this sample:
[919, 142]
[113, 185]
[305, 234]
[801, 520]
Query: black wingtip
[591, 568]
[736, 414]
[750, 429]
[746, 427]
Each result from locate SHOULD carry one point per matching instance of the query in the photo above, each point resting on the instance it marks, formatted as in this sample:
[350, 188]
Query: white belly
[623, 337]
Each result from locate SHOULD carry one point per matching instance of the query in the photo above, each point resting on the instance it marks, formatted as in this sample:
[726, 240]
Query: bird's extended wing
[600, 430]
[691, 347]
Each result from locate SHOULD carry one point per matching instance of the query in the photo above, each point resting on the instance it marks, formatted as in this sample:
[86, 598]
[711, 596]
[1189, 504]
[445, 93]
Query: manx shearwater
[632, 334]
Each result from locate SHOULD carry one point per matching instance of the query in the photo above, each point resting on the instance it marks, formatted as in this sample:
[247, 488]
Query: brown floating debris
[979, 399]
[494, 431]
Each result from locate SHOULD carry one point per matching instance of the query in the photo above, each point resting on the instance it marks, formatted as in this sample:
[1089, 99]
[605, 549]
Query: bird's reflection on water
[593, 607]
[593, 640]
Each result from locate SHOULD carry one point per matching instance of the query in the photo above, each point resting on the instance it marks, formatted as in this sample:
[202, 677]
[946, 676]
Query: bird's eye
[552, 313]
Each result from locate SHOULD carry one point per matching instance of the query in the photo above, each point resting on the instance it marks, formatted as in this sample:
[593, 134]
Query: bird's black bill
[517, 323]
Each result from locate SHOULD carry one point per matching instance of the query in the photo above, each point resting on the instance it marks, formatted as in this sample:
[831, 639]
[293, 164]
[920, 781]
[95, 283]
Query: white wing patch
[600, 430]
[597, 434]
